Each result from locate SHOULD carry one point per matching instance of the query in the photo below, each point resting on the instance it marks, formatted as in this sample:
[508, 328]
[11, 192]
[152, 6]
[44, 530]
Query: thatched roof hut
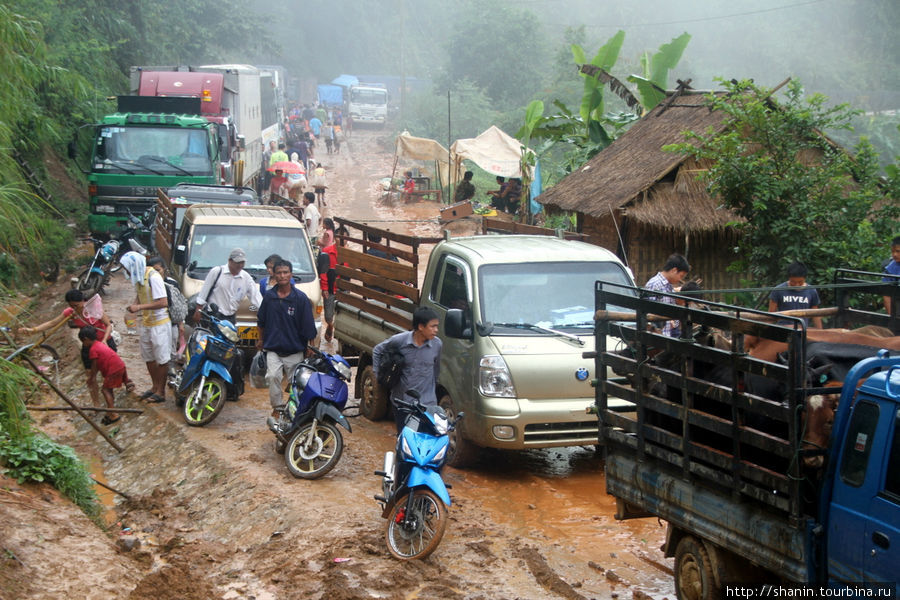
[646, 203]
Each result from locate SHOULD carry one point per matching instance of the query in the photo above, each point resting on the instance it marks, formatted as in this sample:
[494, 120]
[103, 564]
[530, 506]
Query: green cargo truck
[150, 143]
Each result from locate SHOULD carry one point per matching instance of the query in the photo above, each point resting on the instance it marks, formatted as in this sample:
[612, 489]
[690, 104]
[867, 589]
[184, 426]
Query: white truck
[368, 102]
[229, 96]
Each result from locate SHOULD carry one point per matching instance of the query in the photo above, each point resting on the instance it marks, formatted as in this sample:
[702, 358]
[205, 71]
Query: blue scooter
[212, 372]
[415, 496]
[306, 427]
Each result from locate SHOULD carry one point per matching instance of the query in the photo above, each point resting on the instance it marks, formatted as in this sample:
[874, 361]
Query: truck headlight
[494, 378]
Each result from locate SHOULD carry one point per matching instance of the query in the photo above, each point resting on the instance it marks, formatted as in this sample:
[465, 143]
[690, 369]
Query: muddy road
[213, 512]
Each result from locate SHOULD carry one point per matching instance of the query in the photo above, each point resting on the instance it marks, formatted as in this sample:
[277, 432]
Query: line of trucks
[198, 125]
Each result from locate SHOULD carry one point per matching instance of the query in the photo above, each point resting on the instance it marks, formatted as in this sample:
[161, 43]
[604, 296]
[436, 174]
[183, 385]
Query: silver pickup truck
[516, 316]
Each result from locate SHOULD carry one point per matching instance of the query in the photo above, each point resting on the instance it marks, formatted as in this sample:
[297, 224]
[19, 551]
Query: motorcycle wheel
[115, 267]
[321, 457]
[409, 538]
[89, 283]
[202, 405]
[373, 403]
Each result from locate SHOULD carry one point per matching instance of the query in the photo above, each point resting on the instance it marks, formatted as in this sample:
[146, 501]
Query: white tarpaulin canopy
[493, 151]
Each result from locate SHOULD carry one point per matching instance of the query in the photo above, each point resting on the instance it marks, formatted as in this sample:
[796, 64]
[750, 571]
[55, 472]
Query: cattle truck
[147, 144]
[720, 445]
[229, 97]
[368, 103]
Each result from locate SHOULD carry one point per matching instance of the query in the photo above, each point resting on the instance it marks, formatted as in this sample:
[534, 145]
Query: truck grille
[583, 432]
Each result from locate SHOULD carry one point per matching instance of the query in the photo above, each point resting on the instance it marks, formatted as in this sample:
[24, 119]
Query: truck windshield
[211, 244]
[368, 96]
[154, 150]
[555, 295]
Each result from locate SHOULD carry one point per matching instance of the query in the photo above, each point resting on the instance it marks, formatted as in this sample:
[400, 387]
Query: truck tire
[373, 401]
[694, 578]
[462, 452]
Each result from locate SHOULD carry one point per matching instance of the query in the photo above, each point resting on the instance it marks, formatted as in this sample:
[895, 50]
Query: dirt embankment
[213, 512]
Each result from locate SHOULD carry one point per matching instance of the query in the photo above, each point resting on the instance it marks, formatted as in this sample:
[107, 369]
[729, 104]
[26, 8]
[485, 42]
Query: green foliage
[30, 456]
[471, 112]
[655, 76]
[498, 47]
[802, 198]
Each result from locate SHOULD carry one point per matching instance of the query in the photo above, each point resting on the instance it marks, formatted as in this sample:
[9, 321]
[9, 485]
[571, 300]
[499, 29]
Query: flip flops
[155, 398]
[109, 421]
[146, 394]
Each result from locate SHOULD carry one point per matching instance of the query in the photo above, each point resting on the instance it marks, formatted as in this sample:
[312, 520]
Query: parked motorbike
[306, 428]
[213, 370]
[106, 257]
[415, 497]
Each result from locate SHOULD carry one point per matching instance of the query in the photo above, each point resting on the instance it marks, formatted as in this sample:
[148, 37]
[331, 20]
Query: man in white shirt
[311, 217]
[227, 285]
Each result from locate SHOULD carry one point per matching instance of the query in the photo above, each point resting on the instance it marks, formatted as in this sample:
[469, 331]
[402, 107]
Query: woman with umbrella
[280, 185]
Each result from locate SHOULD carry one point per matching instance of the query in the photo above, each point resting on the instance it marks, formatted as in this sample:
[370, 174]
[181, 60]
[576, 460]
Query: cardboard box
[456, 211]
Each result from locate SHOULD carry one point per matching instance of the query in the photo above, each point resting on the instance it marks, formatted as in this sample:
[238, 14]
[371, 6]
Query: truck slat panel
[379, 311]
[375, 265]
[373, 281]
[349, 289]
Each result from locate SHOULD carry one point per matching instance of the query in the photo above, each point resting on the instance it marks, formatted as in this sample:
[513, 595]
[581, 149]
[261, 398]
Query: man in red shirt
[110, 365]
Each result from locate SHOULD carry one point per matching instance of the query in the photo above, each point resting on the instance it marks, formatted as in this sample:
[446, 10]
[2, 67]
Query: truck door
[864, 530]
[882, 550]
[855, 484]
[452, 288]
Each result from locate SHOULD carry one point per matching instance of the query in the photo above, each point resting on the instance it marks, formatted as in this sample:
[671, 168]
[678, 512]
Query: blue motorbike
[415, 497]
[306, 427]
[212, 372]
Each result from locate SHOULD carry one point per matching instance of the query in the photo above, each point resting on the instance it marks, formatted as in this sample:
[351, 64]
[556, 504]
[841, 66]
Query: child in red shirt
[110, 365]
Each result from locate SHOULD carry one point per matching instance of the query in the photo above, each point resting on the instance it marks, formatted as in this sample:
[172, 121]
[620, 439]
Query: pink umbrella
[286, 166]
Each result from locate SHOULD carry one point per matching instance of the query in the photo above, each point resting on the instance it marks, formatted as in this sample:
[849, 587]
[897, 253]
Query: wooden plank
[489, 225]
[379, 311]
[373, 281]
[393, 236]
[376, 266]
[363, 293]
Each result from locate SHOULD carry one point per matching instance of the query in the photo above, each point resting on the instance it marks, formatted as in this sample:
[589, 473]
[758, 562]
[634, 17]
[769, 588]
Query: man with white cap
[228, 284]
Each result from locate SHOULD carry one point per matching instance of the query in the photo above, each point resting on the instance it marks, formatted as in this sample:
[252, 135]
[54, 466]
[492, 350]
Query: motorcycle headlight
[228, 331]
[441, 424]
[494, 378]
[343, 370]
[405, 450]
[440, 455]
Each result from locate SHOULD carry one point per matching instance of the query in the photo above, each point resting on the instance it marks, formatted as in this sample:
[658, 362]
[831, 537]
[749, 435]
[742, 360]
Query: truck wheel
[373, 402]
[694, 579]
[462, 452]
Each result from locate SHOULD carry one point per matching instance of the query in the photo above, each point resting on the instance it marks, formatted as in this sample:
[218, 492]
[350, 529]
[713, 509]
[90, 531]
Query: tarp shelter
[493, 150]
[331, 95]
[345, 81]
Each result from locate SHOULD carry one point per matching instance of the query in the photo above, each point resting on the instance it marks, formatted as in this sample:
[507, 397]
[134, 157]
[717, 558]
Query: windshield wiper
[118, 165]
[531, 327]
[169, 163]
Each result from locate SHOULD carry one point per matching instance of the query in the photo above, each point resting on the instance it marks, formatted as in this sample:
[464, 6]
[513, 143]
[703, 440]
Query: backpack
[392, 364]
[178, 305]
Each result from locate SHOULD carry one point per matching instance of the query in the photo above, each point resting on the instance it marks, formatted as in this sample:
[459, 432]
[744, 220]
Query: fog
[847, 49]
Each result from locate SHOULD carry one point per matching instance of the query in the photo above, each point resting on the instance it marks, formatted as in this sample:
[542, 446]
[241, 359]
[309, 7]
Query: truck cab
[209, 232]
[367, 103]
[134, 153]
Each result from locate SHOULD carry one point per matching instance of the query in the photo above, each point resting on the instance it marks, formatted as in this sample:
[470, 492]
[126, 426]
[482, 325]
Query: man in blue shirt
[286, 327]
[794, 294]
[421, 350]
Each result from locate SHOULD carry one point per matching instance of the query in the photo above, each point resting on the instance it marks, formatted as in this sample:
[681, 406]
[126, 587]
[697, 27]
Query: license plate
[249, 333]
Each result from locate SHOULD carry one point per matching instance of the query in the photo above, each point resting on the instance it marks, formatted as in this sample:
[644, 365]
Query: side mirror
[178, 256]
[455, 324]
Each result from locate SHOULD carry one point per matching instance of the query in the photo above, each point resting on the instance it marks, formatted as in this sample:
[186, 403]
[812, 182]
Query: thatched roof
[618, 176]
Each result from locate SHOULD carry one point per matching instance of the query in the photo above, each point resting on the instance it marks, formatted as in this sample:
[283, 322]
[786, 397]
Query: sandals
[109, 421]
[146, 394]
[155, 398]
